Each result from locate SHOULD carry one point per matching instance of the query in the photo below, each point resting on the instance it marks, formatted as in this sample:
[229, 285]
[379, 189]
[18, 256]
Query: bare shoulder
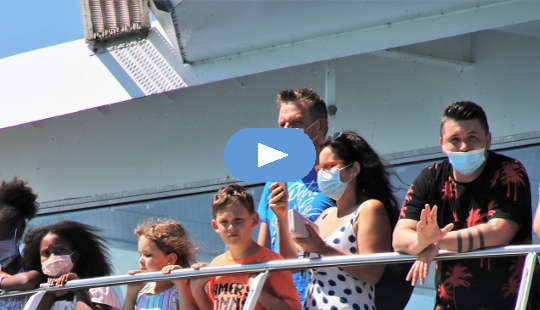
[325, 213]
[372, 207]
[220, 260]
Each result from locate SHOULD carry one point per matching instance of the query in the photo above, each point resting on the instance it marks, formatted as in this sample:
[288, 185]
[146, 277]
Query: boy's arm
[186, 302]
[264, 237]
[269, 301]
[198, 293]
[264, 233]
[279, 292]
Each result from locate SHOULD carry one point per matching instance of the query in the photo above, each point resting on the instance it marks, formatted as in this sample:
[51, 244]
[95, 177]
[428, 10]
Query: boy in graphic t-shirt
[234, 218]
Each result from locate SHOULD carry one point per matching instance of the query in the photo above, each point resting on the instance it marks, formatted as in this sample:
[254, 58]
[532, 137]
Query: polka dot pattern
[333, 288]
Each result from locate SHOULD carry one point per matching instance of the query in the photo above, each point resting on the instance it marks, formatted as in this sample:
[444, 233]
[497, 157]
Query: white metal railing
[292, 264]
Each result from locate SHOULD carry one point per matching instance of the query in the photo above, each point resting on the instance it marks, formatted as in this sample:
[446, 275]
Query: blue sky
[29, 25]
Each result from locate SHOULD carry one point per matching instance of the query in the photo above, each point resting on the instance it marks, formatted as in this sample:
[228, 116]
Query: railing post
[256, 284]
[526, 280]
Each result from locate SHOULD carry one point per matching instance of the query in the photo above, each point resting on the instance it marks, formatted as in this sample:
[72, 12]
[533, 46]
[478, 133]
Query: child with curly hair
[17, 206]
[163, 245]
[65, 251]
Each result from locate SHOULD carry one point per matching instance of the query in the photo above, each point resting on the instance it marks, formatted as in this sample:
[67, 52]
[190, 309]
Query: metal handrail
[286, 264]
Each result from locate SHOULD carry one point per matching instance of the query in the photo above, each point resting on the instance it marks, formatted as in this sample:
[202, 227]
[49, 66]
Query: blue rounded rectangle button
[269, 154]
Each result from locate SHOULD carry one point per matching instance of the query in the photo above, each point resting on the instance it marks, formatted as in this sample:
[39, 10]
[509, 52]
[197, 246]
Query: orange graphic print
[511, 174]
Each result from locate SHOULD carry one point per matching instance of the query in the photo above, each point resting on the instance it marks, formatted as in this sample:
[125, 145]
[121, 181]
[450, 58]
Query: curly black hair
[93, 254]
[18, 203]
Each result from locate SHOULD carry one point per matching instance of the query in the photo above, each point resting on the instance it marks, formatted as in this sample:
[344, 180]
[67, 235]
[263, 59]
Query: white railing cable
[288, 264]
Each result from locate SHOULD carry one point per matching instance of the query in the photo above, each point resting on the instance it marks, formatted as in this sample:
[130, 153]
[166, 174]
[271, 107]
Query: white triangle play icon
[266, 155]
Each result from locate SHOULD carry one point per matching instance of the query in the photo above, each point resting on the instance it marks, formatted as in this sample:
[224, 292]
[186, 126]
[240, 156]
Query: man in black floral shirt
[473, 199]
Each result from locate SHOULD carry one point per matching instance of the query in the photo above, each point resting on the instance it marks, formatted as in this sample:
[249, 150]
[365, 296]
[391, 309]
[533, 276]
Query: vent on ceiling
[109, 19]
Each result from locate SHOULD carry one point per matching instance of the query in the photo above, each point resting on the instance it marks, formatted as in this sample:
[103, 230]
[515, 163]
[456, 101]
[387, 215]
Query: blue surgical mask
[330, 183]
[467, 162]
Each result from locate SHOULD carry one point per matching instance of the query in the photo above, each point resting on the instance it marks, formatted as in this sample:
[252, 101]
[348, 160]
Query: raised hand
[278, 201]
[427, 229]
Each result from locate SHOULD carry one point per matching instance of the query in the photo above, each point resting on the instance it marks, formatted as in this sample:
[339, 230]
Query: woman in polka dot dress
[350, 172]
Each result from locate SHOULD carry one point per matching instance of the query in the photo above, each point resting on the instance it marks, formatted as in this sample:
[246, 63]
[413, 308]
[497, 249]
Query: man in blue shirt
[303, 109]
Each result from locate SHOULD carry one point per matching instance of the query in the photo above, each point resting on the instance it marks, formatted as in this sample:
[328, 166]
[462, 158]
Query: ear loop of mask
[309, 127]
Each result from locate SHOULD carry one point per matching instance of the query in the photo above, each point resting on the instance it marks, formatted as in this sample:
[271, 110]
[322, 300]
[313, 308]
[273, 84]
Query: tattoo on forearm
[480, 237]
[459, 242]
[471, 241]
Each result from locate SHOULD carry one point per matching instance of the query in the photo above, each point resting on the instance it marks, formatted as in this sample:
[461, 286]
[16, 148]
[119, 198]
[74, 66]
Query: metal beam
[360, 41]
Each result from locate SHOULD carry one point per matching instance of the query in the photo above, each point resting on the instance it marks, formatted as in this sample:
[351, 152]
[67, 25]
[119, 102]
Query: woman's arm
[279, 204]
[21, 281]
[373, 235]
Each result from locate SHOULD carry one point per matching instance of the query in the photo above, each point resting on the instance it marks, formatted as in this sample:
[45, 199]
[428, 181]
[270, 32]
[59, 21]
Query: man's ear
[214, 225]
[488, 146]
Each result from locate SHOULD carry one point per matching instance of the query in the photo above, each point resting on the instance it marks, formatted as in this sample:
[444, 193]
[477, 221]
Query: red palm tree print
[449, 190]
[408, 198]
[476, 217]
[456, 278]
[510, 288]
[511, 174]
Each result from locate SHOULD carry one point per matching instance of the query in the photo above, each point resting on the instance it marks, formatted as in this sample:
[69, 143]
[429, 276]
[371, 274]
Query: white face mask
[57, 265]
[330, 183]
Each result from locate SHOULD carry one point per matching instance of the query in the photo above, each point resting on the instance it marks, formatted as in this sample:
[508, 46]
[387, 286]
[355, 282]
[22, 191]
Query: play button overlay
[266, 155]
[269, 154]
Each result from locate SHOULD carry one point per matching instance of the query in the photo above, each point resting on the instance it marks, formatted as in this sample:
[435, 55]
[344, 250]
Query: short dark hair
[230, 194]
[84, 239]
[20, 202]
[316, 105]
[464, 111]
